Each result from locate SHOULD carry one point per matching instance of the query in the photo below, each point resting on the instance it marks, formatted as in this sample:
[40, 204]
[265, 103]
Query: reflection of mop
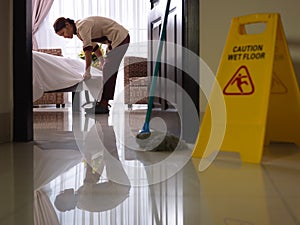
[144, 137]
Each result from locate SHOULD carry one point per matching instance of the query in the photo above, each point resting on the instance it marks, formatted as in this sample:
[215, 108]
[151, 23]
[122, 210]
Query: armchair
[136, 80]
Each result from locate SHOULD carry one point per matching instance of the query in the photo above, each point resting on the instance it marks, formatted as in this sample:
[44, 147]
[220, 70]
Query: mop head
[159, 141]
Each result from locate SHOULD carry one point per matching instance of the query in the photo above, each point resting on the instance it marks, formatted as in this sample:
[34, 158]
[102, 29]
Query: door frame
[189, 39]
[22, 62]
[22, 71]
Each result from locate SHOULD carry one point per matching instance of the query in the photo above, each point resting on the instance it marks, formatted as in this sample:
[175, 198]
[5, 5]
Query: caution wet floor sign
[260, 90]
[247, 52]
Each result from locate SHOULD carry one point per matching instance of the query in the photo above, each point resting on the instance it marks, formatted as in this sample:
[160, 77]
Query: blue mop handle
[157, 66]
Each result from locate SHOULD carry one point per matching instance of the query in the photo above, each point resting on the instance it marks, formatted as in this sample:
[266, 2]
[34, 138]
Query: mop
[156, 141]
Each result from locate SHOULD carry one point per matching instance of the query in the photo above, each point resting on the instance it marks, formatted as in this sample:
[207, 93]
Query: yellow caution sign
[260, 90]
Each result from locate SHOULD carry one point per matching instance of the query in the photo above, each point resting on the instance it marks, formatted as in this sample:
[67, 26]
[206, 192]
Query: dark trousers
[111, 67]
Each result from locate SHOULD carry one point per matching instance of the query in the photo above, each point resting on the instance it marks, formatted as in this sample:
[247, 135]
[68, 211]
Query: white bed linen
[52, 73]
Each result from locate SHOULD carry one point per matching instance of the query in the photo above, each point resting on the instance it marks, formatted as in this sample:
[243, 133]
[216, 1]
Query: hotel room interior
[53, 155]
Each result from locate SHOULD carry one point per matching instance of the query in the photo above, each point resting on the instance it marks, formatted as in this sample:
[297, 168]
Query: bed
[52, 73]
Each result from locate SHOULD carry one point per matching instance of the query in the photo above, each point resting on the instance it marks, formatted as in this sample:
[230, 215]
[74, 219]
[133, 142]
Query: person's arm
[84, 31]
[88, 63]
[99, 55]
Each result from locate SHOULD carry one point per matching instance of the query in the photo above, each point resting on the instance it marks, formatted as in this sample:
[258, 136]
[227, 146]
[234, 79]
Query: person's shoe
[97, 109]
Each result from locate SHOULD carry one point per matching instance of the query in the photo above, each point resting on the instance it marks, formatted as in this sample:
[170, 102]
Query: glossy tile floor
[65, 178]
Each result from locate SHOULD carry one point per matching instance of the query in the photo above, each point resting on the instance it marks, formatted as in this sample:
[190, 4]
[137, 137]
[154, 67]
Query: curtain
[132, 14]
[40, 9]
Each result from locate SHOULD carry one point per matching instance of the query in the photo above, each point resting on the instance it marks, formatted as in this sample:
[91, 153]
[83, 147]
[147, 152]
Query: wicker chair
[57, 98]
[136, 80]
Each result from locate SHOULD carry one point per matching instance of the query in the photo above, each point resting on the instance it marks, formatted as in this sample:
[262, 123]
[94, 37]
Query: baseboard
[5, 128]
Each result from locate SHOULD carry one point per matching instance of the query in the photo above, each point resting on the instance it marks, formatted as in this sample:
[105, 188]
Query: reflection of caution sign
[260, 91]
[240, 84]
[277, 86]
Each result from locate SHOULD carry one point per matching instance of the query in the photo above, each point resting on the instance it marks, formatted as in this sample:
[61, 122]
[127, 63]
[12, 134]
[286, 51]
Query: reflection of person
[93, 196]
[91, 31]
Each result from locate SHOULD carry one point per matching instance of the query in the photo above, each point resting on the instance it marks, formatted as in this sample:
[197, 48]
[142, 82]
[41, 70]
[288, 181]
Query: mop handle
[157, 63]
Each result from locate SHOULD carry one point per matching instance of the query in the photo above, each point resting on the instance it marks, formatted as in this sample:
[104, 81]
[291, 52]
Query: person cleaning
[92, 31]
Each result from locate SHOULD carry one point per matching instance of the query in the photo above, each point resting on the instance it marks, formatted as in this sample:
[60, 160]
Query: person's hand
[87, 75]
[100, 66]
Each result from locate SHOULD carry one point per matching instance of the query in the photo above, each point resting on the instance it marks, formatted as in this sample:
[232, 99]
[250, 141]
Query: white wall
[6, 100]
[215, 18]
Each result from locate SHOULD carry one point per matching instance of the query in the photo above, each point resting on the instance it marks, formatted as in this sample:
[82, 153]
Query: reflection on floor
[89, 170]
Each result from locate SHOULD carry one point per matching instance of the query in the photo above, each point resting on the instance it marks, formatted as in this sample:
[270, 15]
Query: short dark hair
[60, 23]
